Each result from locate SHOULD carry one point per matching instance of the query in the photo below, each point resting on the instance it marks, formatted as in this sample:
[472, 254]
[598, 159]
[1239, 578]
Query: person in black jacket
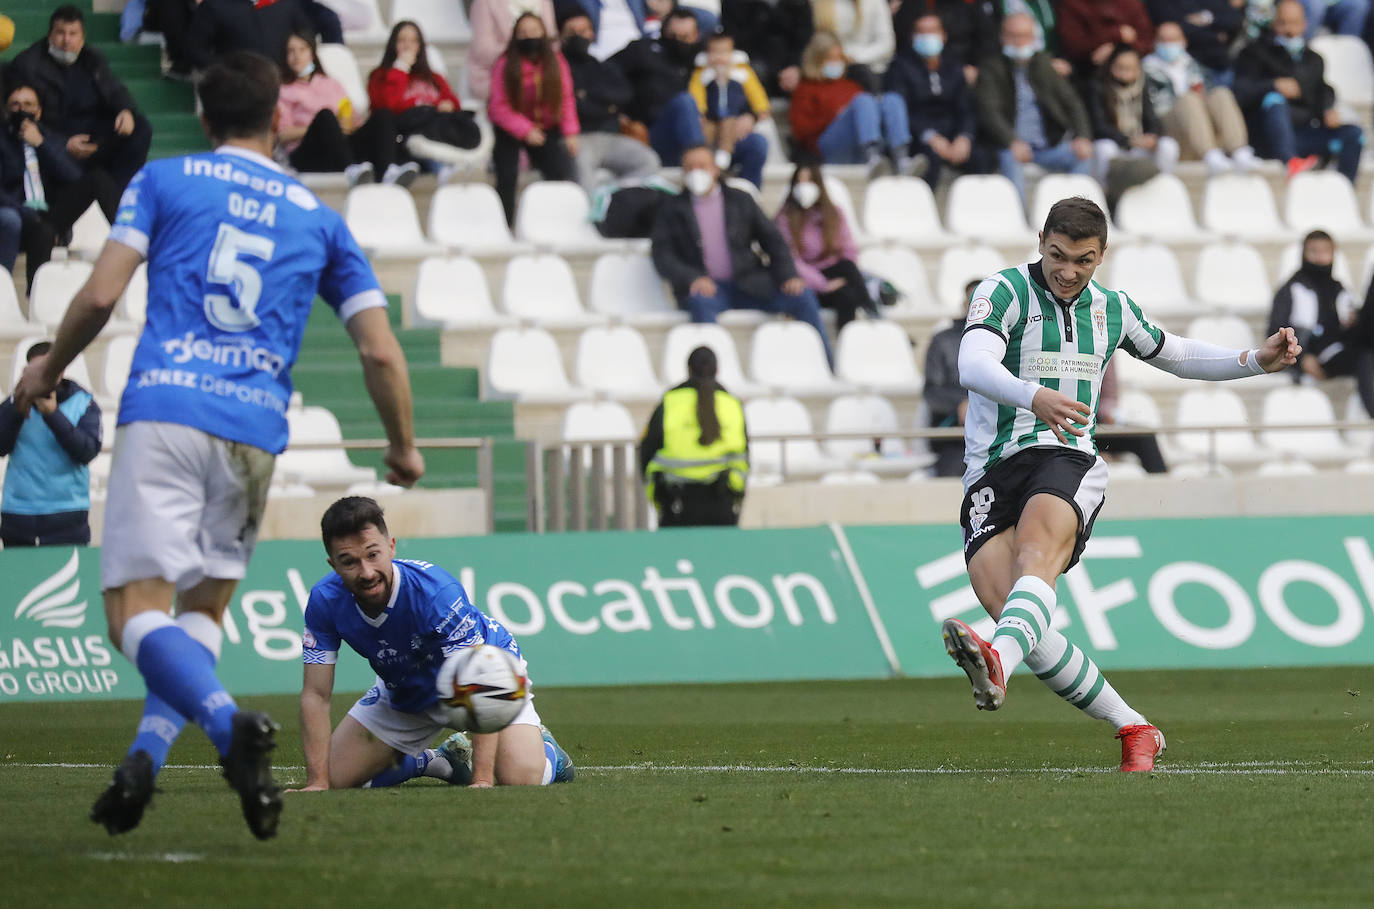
[1210, 28]
[1124, 121]
[704, 244]
[946, 399]
[659, 70]
[970, 28]
[220, 26]
[85, 102]
[938, 99]
[1291, 111]
[774, 35]
[602, 93]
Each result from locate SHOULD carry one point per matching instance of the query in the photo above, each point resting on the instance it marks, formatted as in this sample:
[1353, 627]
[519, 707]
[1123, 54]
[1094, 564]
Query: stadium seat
[1150, 275]
[1227, 331]
[1216, 407]
[54, 285]
[625, 287]
[370, 29]
[877, 354]
[615, 361]
[595, 421]
[872, 415]
[962, 264]
[987, 208]
[851, 477]
[839, 196]
[1362, 439]
[383, 220]
[903, 210]
[1136, 408]
[468, 217]
[134, 306]
[1324, 200]
[12, 321]
[904, 269]
[119, 358]
[783, 416]
[1161, 209]
[1233, 277]
[445, 22]
[88, 234]
[1359, 465]
[1290, 258]
[452, 292]
[1053, 187]
[788, 356]
[1302, 405]
[540, 287]
[339, 63]
[321, 467]
[1286, 467]
[553, 214]
[1242, 205]
[1349, 70]
[524, 363]
[683, 339]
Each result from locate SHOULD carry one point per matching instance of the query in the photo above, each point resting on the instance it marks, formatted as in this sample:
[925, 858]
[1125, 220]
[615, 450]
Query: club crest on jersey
[1100, 322]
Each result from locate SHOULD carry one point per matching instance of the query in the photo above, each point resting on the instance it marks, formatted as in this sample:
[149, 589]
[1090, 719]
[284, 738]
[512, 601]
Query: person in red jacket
[1090, 29]
[532, 108]
[834, 119]
[427, 111]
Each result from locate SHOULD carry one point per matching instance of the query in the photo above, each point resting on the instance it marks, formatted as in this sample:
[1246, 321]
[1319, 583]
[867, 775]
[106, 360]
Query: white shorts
[411, 733]
[183, 505]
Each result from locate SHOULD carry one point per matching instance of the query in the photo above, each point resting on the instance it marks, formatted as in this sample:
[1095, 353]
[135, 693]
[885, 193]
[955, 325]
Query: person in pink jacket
[532, 108]
[823, 246]
[493, 22]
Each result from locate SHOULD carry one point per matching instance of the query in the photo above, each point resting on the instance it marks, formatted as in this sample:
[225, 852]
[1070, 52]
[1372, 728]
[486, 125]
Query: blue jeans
[1284, 141]
[804, 307]
[1345, 17]
[678, 128]
[1056, 159]
[866, 121]
[11, 229]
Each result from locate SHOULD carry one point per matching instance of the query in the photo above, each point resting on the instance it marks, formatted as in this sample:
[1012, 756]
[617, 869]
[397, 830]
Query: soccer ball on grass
[482, 689]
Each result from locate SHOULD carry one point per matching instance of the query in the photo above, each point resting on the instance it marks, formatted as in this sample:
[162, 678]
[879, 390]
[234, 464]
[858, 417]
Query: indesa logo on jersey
[234, 354]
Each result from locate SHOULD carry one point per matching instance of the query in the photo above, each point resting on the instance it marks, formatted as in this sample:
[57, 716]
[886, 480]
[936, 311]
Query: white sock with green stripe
[1072, 675]
[1024, 622]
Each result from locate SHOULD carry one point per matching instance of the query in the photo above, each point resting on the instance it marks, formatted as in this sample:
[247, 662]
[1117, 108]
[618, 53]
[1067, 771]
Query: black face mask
[682, 51]
[530, 47]
[17, 118]
[1316, 272]
[576, 46]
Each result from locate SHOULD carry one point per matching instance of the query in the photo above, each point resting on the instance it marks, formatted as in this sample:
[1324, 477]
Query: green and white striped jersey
[1060, 345]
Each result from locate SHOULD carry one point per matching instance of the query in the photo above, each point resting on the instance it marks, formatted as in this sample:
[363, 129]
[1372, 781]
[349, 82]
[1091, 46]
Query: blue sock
[157, 730]
[182, 673]
[407, 768]
[551, 755]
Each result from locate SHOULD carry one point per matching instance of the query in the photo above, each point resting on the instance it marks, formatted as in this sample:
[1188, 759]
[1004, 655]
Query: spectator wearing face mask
[939, 101]
[823, 246]
[492, 23]
[1124, 121]
[1209, 29]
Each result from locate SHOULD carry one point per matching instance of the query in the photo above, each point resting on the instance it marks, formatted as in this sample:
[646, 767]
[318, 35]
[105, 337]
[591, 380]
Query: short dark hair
[238, 95]
[351, 515]
[37, 350]
[681, 12]
[700, 147]
[66, 13]
[1317, 235]
[1077, 218]
[17, 83]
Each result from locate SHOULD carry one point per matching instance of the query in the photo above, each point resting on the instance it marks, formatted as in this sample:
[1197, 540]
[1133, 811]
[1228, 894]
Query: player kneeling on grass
[1035, 345]
[405, 618]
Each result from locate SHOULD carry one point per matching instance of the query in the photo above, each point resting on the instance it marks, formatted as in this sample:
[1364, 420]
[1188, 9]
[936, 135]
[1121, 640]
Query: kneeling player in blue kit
[405, 618]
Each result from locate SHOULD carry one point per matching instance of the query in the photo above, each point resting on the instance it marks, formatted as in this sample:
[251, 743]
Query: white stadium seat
[1052, 187]
[1302, 405]
[783, 416]
[1159, 208]
[788, 356]
[54, 285]
[1324, 200]
[362, 22]
[683, 339]
[840, 198]
[876, 354]
[1232, 276]
[1362, 439]
[1349, 69]
[848, 478]
[1150, 275]
[524, 363]
[1242, 205]
[596, 421]
[12, 321]
[383, 220]
[452, 292]
[88, 234]
[444, 21]
[326, 467]
[469, 217]
[1216, 407]
[1227, 331]
[339, 63]
[615, 361]
[903, 210]
[625, 286]
[987, 208]
[540, 287]
[872, 415]
[962, 264]
[554, 214]
[119, 359]
[1286, 467]
[904, 269]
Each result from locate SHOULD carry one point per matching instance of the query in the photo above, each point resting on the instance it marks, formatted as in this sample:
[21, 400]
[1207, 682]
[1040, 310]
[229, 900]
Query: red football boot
[979, 661]
[1140, 745]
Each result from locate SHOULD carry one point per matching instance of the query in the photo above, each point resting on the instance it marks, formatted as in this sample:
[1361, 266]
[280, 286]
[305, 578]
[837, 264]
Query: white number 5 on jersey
[237, 312]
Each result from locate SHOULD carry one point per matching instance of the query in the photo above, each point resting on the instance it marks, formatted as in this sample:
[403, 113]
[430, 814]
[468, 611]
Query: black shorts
[995, 502]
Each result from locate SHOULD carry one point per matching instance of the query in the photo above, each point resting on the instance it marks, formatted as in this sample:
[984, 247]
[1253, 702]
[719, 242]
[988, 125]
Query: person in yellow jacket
[732, 101]
[695, 452]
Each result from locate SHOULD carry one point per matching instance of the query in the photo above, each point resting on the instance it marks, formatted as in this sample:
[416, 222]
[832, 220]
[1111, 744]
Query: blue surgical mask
[928, 45]
[1293, 45]
[1169, 51]
[1020, 53]
[307, 70]
[832, 69]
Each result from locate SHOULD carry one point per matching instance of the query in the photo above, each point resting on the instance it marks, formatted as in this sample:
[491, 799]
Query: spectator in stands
[533, 110]
[318, 129]
[1342, 17]
[42, 189]
[694, 455]
[836, 119]
[945, 398]
[731, 101]
[1090, 29]
[864, 28]
[939, 102]
[493, 21]
[710, 242]
[427, 111]
[603, 95]
[1209, 29]
[1336, 335]
[1202, 115]
[1291, 110]
[220, 26]
[822, 246]
[47, 497]
[84, 101]
[774, 35]
[968, 30]
[1145, 446]
[618, 23]
[1028, 112]
[1042, 20]
[1124, 120]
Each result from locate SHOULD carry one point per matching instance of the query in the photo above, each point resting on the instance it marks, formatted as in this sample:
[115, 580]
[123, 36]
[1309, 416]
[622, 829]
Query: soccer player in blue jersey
[237, 251]
[404, 617]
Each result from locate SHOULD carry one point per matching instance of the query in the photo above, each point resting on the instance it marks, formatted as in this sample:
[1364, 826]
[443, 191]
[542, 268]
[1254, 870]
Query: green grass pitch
[856, 794]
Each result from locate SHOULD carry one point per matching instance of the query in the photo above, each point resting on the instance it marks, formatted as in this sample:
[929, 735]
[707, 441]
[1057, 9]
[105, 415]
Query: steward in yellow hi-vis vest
[695, 450]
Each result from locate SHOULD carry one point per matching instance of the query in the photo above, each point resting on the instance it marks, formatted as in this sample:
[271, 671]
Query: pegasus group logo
[53, 602]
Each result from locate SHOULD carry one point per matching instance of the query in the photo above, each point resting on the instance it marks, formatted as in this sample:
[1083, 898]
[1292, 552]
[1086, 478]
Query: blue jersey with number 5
[237, 251]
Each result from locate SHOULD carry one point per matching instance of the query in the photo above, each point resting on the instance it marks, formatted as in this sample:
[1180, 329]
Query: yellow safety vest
[684, 458]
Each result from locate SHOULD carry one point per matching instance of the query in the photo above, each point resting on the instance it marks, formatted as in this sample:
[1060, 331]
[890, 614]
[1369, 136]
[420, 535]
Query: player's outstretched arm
[1189, 358]
[317, 686]
[90, 309]
[484, 760]
[388, 384]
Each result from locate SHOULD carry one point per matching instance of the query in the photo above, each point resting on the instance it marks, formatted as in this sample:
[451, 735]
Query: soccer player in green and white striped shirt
[1035, 345]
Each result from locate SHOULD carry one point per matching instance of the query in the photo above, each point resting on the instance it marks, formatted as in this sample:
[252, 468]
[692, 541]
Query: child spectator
[731, 100]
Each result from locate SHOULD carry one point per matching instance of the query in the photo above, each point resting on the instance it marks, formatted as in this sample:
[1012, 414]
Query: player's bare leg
[519, 755]
[356, 755]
